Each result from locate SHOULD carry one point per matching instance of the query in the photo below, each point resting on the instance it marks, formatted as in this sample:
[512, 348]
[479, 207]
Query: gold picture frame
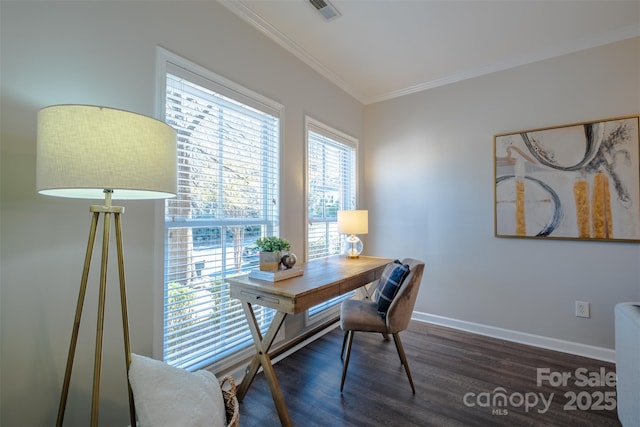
[579, 181]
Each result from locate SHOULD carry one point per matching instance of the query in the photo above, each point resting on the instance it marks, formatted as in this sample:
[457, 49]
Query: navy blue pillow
[390, 281]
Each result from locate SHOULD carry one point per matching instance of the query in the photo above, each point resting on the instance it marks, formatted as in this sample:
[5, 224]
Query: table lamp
[352, 223]
[93, 152]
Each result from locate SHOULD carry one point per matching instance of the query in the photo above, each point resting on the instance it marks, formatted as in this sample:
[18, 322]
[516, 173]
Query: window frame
[320, 128]
[165, 61]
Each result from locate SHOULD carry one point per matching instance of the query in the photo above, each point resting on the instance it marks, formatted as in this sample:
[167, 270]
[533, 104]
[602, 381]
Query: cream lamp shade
[83, 150]
[352, 223]
[92, 152]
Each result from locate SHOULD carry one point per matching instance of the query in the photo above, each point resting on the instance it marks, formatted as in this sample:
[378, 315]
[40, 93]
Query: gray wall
[429, 190]
[428, 182]
[104, 53]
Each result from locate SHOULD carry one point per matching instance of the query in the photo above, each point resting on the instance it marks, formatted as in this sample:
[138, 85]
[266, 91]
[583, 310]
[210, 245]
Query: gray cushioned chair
[363, 316]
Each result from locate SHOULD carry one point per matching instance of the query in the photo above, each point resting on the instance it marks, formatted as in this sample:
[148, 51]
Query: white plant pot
[270, 261]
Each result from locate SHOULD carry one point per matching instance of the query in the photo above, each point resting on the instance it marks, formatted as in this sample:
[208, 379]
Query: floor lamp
[92, 152]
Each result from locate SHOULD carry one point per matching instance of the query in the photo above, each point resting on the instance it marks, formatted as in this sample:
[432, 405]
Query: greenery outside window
[228, 196]
[331, 186]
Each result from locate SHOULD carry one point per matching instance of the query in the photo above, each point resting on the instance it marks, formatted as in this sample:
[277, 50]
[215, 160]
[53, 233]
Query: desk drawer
[265, 299]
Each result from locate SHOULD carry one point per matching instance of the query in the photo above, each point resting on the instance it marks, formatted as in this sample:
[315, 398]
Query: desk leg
[262, 359]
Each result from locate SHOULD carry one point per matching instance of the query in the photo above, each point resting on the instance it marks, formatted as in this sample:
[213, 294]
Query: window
[228, 186]
[331, 186]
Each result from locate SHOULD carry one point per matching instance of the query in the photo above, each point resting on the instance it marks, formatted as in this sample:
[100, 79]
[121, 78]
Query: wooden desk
[322, 280]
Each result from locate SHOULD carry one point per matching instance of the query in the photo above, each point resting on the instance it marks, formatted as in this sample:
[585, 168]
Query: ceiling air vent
[326, 9]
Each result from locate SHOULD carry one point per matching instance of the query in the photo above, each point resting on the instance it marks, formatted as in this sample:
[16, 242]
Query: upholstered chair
[364, 316]
[627, 334]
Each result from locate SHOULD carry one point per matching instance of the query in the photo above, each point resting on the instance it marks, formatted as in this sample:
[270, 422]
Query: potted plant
[270, 248]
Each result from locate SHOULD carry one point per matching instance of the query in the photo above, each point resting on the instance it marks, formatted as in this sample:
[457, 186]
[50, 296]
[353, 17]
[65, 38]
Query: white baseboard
[593, 352]
[305, 342]
[238, 372]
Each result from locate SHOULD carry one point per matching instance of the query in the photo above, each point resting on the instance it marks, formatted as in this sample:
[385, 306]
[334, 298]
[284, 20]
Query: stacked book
[274, 276]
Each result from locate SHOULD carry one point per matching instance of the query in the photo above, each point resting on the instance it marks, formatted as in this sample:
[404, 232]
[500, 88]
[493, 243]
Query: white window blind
[331, 186]
[228, 186]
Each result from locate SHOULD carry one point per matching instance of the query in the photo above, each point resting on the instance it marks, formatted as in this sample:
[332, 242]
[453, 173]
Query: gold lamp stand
[107, 210]
[102, 150]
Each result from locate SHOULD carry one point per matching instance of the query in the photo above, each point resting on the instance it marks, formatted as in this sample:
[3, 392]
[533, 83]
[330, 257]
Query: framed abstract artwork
[578, 181]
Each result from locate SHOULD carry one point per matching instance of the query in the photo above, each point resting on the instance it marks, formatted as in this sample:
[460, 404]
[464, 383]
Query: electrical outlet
[583, 309]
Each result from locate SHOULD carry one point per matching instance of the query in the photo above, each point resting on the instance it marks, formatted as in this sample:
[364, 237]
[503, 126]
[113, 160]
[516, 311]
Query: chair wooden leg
[346, 360]
[344, 342]
[403, 359]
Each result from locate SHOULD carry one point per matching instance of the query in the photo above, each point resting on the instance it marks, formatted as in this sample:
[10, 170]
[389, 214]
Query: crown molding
[257, 22]
[249, 16]
[516, 61]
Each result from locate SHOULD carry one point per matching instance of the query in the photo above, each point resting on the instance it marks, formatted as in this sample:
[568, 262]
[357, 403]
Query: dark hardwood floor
[458, 377]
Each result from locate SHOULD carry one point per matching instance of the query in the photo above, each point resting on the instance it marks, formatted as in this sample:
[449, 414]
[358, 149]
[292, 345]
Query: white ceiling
[381, 49]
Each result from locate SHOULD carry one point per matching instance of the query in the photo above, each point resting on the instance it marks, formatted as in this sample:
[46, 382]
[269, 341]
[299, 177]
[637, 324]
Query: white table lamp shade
[353, 222]
[83, 150]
